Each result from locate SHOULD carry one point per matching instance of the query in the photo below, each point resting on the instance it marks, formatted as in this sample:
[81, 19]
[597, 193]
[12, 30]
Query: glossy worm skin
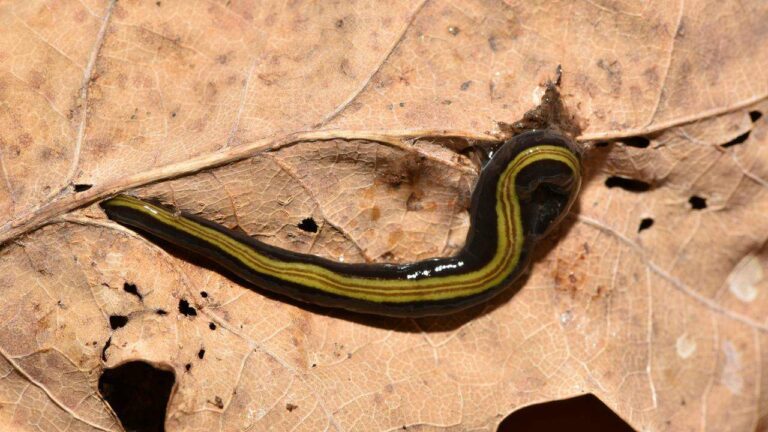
[526, 187]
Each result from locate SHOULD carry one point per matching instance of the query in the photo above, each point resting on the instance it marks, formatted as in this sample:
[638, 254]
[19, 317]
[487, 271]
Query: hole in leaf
[138, 393]
[738, 140]
[188, 366]
[132, 289]
[627, 184]
[117, 321]
[583, 413]
[636, 141]
[645, 224]
[185, 309]
[755, 115]
[203, 294]
[106, 347]
[201, 353]
[82, 187]
[697, 202]
[161, 312]
[308, 225]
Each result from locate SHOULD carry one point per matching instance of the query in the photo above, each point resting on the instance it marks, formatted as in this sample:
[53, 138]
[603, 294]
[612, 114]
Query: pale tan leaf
[259, 115]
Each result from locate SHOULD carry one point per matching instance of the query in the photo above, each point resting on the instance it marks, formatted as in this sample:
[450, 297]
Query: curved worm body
[526, 187]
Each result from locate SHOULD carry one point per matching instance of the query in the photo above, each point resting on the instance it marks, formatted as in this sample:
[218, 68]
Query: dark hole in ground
[602, 144]
[738, 140]
[697, 202]
[131, 289]
[201, 353]
[636, 141]
[138, 393]
[186, 309]
[583, 413]
[645, 224]
[117, 321]
[212, 326]
[627, 184]
[308, 225]
[755, 115]
[82, 187]
[203, 294]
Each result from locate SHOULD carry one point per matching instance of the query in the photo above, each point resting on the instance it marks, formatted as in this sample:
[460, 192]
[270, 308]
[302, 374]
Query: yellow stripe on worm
[526, 187]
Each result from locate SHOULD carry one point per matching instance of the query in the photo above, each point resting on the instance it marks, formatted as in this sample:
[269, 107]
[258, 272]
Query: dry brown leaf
[261, 114]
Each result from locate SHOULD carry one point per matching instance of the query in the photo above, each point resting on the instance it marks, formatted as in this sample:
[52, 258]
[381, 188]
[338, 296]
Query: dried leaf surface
[260, 116]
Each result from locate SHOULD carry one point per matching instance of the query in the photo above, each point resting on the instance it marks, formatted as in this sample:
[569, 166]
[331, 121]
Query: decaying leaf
[348, 118]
